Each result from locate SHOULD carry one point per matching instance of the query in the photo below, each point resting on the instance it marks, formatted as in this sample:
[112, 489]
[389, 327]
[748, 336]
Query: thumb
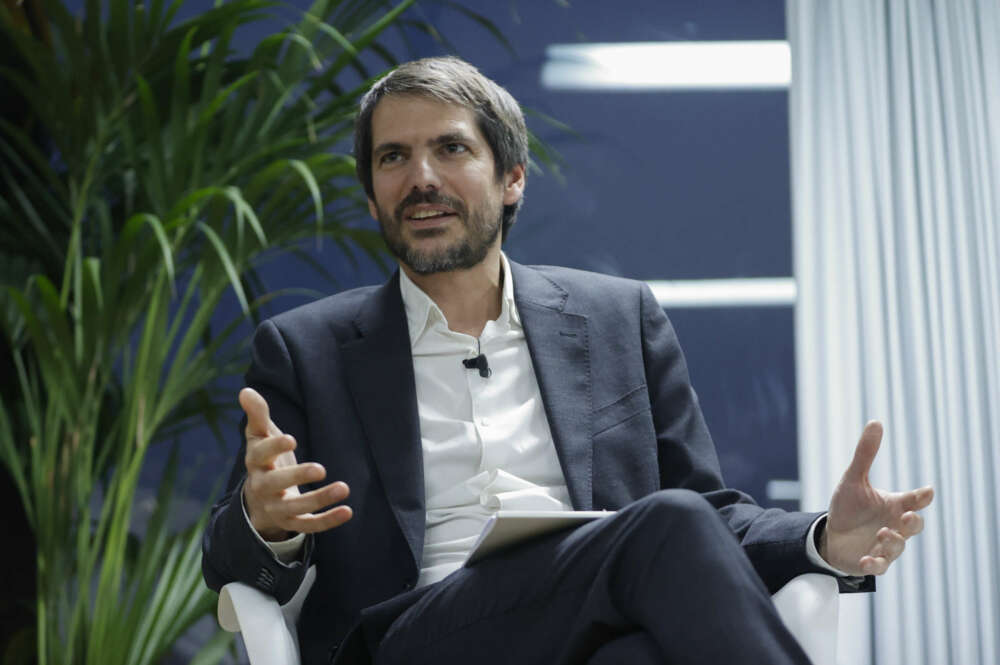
[258, 415]
[864, 454]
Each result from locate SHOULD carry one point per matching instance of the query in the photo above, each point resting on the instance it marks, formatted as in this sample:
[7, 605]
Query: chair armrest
[809, 606]
[268, 629]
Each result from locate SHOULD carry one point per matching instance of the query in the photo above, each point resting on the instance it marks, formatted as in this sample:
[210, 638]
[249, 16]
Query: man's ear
[513, 185]
[372, 210]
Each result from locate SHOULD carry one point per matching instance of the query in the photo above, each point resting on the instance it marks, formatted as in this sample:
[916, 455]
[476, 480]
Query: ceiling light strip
[644, 66]
[746, 292]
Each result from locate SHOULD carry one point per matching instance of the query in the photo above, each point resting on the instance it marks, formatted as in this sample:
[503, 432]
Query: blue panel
[742, 364]
[665, 186]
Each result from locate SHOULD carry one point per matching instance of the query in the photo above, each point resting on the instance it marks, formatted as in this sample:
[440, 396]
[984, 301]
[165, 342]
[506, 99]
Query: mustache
[432, 197]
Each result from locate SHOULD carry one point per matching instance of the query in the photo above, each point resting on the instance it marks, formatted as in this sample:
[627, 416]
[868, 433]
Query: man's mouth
[427, 214]
[427, 209]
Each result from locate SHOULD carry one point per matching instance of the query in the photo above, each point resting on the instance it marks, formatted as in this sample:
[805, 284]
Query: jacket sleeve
[774, 540]
[230, 549]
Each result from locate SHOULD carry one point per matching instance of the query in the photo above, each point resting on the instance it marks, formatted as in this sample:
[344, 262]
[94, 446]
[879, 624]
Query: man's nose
[423, 174]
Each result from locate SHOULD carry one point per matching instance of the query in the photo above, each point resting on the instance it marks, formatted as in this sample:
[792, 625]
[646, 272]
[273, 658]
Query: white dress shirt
[486, 440]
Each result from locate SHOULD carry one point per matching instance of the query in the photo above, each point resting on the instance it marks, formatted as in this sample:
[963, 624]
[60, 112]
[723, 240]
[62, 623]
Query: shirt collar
[423, 313]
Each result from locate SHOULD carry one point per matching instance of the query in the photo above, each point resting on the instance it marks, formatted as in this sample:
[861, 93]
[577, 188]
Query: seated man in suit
[469, 383]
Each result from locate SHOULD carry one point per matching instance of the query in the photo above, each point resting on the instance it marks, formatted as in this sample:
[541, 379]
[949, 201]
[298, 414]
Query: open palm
[867, 528]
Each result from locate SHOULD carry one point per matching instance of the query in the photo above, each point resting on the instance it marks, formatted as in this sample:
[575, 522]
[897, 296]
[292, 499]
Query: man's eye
[455, 148]
[389, 157]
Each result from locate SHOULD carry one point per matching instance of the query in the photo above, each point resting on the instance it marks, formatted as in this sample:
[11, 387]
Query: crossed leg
[662, 581]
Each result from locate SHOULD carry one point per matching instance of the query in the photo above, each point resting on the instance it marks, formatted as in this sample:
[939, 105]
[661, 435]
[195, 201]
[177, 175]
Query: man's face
[437, 198]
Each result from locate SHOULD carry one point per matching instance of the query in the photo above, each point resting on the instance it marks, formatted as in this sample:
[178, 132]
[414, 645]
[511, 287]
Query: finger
[279, 480]
[864, 453]
[912, 524]
[873, 565]
[918, 499]
[258, 414]
[314, 523]
[262, 454]
[890, 544]
[317, 499]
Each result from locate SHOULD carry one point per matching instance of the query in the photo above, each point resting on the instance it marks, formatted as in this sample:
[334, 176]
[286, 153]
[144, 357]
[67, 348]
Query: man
[469, 383]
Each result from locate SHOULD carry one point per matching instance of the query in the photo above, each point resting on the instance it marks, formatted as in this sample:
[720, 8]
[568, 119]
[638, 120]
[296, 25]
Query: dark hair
[452, 80]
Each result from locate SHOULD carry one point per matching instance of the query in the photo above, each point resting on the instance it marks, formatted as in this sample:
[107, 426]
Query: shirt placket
[484, 416]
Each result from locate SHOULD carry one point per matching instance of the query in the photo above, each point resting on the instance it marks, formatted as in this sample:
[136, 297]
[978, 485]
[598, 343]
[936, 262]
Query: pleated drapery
[895, 134]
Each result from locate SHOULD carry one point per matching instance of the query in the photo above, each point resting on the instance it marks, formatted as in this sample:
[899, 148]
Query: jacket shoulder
[575, 276]
[592, 291]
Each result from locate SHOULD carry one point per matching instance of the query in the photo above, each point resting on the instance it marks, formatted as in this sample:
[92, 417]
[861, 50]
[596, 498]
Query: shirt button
[485, 422]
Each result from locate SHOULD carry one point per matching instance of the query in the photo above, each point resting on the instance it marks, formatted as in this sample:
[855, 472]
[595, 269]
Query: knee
[676, 507]
[676, 511]
[671, 532]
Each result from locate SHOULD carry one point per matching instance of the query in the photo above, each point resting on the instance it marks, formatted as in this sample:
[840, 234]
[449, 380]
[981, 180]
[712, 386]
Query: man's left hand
[867, 528]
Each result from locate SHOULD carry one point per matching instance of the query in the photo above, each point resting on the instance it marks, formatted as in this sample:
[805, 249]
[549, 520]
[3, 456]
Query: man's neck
[467, 298]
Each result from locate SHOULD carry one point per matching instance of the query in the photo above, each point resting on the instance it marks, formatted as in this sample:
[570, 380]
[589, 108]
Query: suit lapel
[558, 344]
[379, 369]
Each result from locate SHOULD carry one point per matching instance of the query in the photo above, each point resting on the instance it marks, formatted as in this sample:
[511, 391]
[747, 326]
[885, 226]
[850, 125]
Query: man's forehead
[408, 118]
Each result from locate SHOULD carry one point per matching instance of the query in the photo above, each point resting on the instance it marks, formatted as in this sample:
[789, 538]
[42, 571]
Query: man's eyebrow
[389, 146]
[451, 137]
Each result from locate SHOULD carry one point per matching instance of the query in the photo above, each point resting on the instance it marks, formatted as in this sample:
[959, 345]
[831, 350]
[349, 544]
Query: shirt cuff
[285, 551]
[813, 553]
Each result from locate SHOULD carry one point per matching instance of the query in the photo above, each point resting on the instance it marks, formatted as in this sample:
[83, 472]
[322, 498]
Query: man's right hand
[276, 508]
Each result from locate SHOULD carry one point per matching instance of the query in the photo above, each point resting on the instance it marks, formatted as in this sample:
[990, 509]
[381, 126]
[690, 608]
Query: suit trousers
[662, 581]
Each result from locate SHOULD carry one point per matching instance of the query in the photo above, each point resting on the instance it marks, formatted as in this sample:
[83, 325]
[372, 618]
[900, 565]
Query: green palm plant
[151, 169]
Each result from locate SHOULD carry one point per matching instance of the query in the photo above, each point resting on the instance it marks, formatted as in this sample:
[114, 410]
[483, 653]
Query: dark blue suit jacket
[338, 376]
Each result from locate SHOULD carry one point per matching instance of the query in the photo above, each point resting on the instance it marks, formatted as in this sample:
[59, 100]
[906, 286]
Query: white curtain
[895, 132]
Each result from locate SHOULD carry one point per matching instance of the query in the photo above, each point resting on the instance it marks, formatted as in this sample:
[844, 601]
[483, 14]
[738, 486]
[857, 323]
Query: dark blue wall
[655, 185]
[661, 185]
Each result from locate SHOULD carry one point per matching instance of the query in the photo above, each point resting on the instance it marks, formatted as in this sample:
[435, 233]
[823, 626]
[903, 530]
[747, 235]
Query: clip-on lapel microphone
[479, 362]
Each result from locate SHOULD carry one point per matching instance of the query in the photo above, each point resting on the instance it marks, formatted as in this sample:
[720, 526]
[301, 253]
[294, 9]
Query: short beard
[460, 255]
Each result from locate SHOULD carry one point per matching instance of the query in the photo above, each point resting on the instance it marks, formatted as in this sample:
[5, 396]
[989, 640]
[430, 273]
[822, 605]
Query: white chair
[808, 605]
[268, 629]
